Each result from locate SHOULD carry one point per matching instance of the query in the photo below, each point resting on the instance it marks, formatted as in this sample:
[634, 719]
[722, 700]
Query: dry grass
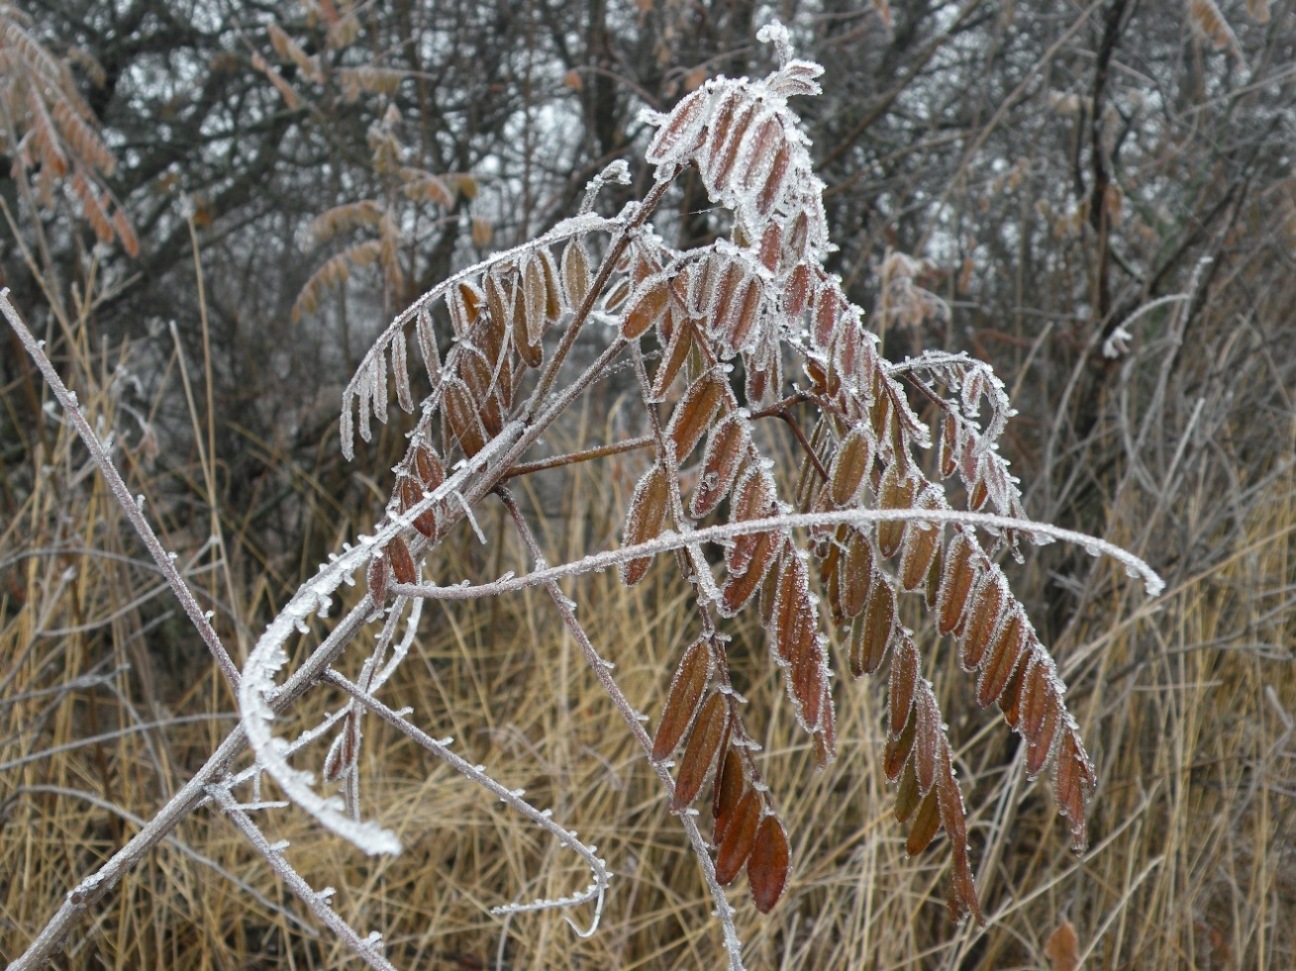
[1188, 704]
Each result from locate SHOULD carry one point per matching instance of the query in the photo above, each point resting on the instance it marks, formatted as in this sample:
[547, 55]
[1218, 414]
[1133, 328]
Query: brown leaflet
[959, 579]
[918, 555]
[646, 310]
[576, 272]
[806, 681]
[769, 863]
[700, 752]
[772, 191]
[984, 615]
[872, 632]
[535, 298]
[727, 791]
[1041, 745]
[737, 330]
[771, 245]
[376, 579]
[928, 740]
[855, 574]
[764, 143]
[904, 682]
[411, 495]
[672, 362]
[898, 748]
[694, 413]
[720, 120]
[764, 370]
[616, 296]
[740, 588]
[691, 678]
[797, 293]
[402, 564]
[895, 492]
[553, 289]
[723, 172]
[645, 518]
[907, 795]
[963, 895]
[729, 282]
[682, 132]
[850, 464]
[1011, 698]
[735, 846]
[827, 312]
[948, 446]
[1002, 658]
[753, 498]
[344, 751]
[925, 826]
[1074, 783]
[429, 468]
[727, 448]
[461, 416]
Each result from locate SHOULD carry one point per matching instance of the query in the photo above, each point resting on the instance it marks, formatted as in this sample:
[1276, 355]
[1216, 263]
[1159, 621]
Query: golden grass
[1187, 705]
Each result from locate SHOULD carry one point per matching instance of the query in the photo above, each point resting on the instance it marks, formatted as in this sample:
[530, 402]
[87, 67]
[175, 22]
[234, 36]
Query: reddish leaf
[772, 191]
[855, 574]
[895, 492]
[738, 591]
[907, 795]
[411, 495]
[960, 575]
[727, 791]
[686, 689]
[429, 468]
[797, 293]
[872, 633]
[645, 518]
[376, 578]
[1003, 658]
[918, 555]
[726, 449]
[768, 865]
[682, 131]
[402, 564]
[898, 748]
[700, 753]
[927, 740]
[694, 413]
[576, 272]
[672, 362]
[904, 680]
[850, 464]
[1075, 783]
[739, 837]
[646, 310]
[984, 616]
[925, 826]
[1063, 947]
[462, 417]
